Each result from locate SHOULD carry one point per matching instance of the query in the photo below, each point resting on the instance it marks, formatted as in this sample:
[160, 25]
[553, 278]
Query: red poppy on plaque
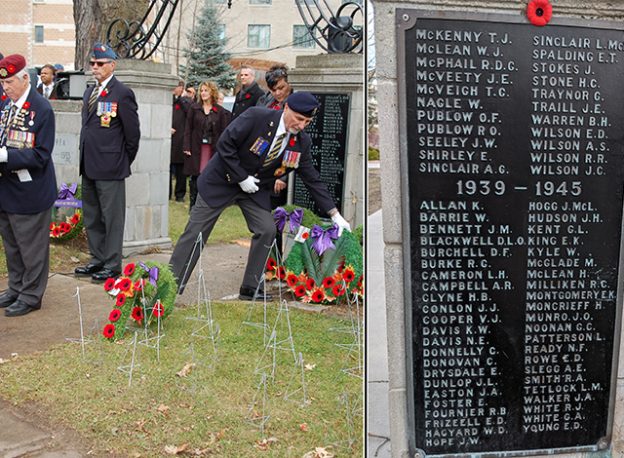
[247, 96]
[539, 12]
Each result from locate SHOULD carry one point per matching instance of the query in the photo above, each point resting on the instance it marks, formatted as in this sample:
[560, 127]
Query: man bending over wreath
[256, 149]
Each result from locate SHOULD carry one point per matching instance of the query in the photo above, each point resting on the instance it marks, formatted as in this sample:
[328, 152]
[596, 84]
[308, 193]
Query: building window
[259, 2]
[302, 37]
[221, 31]
[38, 34]
[258, 36]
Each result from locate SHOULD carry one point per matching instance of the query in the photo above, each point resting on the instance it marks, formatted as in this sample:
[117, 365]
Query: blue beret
[303, 103]
[103, 51]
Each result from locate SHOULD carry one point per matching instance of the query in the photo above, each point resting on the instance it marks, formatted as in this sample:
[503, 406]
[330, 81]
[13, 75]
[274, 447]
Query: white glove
[341, 223]
[249, 184]
[4, 154]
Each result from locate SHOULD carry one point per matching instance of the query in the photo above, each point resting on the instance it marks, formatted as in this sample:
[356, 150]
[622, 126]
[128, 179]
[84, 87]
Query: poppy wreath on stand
[321, 266]
[144, 293]
[67, 220]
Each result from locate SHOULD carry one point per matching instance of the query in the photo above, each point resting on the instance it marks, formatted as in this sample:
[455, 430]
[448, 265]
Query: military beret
[10, 65]
[103, 51]
[303, 103]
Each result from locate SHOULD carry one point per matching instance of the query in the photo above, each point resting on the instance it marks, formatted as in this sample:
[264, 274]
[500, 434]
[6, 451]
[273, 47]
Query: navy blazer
[235, 161]
[38, 195]
[107, 152]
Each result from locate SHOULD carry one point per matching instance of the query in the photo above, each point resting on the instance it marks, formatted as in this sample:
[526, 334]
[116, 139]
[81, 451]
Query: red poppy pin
[11, 68]
[247, 96]
[26, 105]
[539, 12]
[104, 93]
[214, 109]
[177, 106]
[4, 97]
[292, 141]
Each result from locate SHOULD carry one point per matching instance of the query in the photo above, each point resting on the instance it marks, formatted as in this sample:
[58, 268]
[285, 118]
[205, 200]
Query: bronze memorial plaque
[514, 163]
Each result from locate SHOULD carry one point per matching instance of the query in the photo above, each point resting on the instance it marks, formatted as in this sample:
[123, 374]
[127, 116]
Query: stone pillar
[341, 74]
[147, 189]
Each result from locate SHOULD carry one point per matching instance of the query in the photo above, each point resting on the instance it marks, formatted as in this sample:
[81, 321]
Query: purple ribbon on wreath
[67, 192]
[294, 219]
[323, 238]
[153, 273]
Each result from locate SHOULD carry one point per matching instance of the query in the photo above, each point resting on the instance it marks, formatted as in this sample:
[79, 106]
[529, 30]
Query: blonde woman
[205, 122]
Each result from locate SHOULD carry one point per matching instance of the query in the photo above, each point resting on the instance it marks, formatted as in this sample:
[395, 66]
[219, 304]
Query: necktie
[93, 97]
[276, 149]
[47, 92]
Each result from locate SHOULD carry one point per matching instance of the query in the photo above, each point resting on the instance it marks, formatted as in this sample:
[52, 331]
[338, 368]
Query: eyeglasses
[95, 63]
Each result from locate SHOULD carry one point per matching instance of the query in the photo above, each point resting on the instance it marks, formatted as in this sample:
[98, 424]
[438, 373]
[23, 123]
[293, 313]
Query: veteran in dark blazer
[27, 187]
[109, 141]
[255, 150]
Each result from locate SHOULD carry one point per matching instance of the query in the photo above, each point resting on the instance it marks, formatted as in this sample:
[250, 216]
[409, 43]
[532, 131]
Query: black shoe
[89, 269]
[105, 274]
[19, 308]
[249, 294]
[6, 299]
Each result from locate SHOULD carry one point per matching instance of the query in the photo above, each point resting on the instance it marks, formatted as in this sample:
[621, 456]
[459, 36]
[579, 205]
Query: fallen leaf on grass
[74, 259]
[309, 367]
[318, 452]
[175, 450]
[186, 370]
[264, 444]
[14, 355]
[141, 426]
[163, 409]
[303, 427]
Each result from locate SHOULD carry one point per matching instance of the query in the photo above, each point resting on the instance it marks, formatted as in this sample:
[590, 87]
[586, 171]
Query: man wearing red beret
[27, 186]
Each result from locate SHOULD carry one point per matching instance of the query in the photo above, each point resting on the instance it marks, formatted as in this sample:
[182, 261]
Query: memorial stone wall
[503, 256]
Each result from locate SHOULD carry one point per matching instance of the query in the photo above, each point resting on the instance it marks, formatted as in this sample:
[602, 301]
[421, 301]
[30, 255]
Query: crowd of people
[241, 157]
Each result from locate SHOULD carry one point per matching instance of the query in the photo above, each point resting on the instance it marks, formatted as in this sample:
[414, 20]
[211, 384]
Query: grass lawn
[211, 410]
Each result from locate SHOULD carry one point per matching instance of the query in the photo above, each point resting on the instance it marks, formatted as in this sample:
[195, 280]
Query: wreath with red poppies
[145, 293]
[539, 12]
[322, 266]
[67, 221]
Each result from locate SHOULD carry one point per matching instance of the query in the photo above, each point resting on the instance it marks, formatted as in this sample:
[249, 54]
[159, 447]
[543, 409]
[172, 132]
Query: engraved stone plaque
[514, 137]
[328, 131]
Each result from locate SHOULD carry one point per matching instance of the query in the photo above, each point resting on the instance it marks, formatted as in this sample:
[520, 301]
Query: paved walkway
[24, 435]
[377, 422]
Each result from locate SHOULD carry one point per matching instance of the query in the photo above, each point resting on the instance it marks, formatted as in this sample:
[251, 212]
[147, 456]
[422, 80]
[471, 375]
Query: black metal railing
[341, 31]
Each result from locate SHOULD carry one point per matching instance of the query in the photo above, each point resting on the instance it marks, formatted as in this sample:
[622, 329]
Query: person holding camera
[205, 122]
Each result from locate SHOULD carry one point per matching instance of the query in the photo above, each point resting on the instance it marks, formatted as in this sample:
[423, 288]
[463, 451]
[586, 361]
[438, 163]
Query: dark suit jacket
[107, 152]
[38, 195]
[178, 122]
[196, 122]
[247, 97]
[234, 161]
[53, 94]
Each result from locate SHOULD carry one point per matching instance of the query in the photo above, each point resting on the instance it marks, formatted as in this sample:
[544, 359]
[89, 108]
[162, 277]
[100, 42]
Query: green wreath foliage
[140, 297]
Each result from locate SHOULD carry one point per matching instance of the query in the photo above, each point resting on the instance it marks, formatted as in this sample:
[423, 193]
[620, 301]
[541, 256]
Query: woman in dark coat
[205, 122]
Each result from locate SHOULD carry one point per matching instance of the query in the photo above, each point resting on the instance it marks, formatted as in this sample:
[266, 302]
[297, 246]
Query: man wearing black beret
[256, 149]
[109, 142]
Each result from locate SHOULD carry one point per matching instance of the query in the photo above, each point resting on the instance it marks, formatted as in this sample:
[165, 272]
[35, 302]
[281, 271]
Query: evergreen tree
[206, 57]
